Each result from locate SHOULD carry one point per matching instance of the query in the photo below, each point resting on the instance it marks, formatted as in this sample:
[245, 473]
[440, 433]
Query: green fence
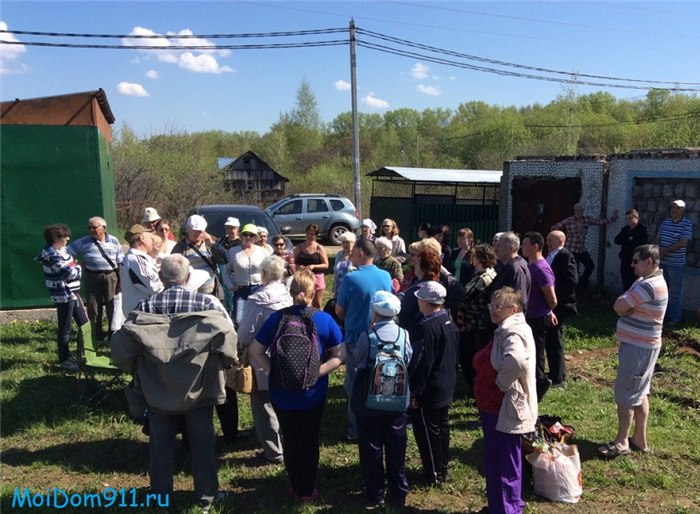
[482, 219]
[49, 174]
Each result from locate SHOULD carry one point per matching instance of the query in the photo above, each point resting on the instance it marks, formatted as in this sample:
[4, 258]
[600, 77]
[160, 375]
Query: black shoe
[542, 388]
[260, 456]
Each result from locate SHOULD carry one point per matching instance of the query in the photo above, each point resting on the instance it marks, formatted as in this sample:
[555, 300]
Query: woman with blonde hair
[391, 231]
[299, 410]
[506, 396]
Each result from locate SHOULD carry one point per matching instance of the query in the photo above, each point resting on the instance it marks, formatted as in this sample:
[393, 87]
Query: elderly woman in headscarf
[262, 242]
[367, 230]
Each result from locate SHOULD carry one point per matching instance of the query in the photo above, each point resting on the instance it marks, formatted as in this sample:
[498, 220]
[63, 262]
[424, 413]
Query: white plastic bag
[118, 318]
[557, 473]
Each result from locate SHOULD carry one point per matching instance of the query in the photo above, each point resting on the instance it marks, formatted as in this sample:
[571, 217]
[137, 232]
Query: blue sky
[235, 90]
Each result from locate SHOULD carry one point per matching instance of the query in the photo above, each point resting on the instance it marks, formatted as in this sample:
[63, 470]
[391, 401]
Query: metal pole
[355, 124]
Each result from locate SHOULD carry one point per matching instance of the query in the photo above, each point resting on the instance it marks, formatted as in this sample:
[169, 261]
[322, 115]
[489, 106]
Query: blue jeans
[674, 280]
[66, 313]
[161, 445]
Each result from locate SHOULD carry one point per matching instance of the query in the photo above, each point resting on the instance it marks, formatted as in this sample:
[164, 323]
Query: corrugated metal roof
[438, 174]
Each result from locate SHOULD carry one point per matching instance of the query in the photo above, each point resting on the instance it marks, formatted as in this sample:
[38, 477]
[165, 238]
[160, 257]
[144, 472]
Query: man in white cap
[674, 234]
[433, 377]
[150, 218]
[196, 247]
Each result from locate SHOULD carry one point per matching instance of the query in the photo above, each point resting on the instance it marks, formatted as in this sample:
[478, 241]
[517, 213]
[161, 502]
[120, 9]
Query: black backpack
[295, 357]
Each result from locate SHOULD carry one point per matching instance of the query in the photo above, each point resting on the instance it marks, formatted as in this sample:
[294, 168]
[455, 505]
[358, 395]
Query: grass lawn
[50, 441]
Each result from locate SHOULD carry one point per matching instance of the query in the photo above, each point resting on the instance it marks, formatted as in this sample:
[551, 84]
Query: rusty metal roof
[438, 175]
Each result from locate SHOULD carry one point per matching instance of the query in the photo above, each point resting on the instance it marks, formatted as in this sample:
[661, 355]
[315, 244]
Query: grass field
[50, 441]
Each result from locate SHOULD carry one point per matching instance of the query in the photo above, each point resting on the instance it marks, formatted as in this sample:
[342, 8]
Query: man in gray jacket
[177, 344]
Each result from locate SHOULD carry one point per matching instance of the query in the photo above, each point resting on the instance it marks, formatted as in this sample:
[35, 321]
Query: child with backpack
[380, 398]
[305, 346]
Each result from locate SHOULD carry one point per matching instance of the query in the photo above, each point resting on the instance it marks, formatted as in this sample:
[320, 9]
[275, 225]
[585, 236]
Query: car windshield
[272, 208]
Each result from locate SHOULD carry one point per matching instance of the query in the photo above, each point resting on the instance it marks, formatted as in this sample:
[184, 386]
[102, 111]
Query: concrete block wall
[649, 183]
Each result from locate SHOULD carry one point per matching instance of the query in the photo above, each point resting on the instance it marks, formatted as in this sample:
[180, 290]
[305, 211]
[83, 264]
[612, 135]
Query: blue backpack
[386, 383]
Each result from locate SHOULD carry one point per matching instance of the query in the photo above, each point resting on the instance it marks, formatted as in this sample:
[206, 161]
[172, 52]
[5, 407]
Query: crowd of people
[426, 311]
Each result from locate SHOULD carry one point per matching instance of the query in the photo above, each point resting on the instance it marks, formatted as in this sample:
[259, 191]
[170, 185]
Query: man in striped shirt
[641, 310]
[674, 234]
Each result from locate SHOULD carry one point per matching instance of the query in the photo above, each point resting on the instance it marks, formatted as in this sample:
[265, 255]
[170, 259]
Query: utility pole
[355, 124]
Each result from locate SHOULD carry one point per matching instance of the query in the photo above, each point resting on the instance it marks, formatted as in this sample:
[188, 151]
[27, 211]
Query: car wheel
[335, 234]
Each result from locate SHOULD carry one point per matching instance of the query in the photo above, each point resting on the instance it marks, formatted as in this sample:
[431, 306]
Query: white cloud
[129, 89]
[374, 103]
[452, 77]
[341, 85]
[202, 63]
[200, 60]
[437, 77]
[429, 90]
[152, 74]
[10, 53]
[420, 71]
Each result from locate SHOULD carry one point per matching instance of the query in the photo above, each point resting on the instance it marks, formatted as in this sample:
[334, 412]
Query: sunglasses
[248, 235]
[94, 228]
[498, 307]
[280, 245]
[637, 261]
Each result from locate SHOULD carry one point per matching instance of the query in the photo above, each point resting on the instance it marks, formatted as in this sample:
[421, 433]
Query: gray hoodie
[268, 299]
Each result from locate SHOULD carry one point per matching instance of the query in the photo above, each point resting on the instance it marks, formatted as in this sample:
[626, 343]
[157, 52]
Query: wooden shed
[249, 175]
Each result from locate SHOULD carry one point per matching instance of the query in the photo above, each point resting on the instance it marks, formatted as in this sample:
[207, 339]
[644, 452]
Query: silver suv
[333, 214]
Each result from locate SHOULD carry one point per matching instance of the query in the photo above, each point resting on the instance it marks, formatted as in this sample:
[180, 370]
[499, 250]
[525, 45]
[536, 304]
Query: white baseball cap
[679, 203]
[232, 222]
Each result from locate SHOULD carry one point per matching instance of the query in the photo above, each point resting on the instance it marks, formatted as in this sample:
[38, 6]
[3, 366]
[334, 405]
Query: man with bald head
[576, 228]
[565, 271]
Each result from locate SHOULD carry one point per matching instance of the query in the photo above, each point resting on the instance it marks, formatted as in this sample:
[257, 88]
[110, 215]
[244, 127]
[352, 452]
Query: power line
[180, 36]
[508, 73]
[505, 63]
[306, 44]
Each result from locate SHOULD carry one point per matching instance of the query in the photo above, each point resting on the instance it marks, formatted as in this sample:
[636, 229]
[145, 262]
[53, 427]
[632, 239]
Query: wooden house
[250, 176]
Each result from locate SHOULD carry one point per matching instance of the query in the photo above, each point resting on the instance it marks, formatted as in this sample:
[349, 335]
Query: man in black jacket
[433, 374]
[631, 236]
[565, 271]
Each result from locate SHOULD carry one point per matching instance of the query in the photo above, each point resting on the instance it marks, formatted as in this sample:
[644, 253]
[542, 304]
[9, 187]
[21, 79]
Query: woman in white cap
[231, 239]
[381, 434]
[367, 230]
[243, 274]
[262, 242]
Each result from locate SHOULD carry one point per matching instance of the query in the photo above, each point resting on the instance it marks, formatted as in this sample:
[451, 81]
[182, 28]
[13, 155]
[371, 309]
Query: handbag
[243, 376]
[118, 317]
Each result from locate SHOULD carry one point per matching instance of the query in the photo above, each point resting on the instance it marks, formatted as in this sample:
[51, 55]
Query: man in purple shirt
[541, 301]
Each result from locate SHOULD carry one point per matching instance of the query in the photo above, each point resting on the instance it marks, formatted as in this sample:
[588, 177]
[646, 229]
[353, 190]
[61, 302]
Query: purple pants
[502, 467]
